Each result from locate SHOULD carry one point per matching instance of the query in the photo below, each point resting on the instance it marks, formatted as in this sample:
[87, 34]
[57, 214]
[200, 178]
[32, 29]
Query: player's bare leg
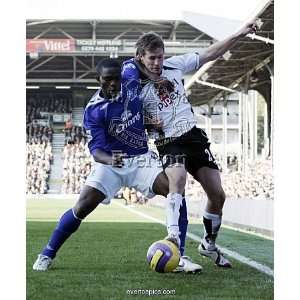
[211, 182]
[161, 185]
[69, 222]
[88, 200]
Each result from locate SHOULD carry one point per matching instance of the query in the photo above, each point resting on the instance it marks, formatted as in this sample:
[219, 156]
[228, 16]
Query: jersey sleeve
[131, 82]
[93, 121]
[186, 62]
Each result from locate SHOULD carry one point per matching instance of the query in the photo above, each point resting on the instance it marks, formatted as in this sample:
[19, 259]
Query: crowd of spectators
[36, 134]
[35, 105]
[77, 160]
[255, 183]
[39, 158]
[39, 138]
[75, 134]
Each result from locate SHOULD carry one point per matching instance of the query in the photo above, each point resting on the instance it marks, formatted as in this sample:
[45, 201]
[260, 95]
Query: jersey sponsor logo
[166, 98]
[126, 115]
[123, 129]
[127, 119]
[164, 103]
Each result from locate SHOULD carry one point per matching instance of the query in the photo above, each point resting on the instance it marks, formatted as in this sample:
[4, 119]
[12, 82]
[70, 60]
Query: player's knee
[220, 196]
[84, 207]
[217, 199]
[161, 185]
[164, 190]
[177, 182]
[80, 210]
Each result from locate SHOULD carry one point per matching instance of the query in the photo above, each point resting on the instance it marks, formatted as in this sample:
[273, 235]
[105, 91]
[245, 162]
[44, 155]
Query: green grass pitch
[106, 258]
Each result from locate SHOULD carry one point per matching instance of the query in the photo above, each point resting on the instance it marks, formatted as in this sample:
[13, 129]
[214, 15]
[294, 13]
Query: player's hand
[164, 85]
[117, 160]
[250, 27]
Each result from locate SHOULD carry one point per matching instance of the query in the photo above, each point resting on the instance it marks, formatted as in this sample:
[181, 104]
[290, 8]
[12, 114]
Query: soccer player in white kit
[182, 146]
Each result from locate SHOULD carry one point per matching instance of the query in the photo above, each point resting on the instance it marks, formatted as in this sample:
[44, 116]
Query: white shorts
[138, 172]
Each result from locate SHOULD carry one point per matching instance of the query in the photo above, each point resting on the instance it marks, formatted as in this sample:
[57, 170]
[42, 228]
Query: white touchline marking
[249, 232]
[252, 263]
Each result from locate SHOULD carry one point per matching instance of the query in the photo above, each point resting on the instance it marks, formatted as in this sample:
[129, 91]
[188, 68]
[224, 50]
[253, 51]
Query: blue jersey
[116, 126]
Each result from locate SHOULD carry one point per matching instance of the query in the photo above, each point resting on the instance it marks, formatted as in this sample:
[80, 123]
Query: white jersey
[173, 109]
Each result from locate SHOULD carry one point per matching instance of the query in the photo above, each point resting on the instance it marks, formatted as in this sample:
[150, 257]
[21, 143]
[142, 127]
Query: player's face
[110, 81]
[153, 60]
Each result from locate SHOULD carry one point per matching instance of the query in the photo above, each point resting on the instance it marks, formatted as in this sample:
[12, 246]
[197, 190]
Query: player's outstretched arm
[219, 48]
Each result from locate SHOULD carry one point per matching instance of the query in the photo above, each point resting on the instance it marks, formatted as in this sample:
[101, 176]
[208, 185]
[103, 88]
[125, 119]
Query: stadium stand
[76, 160]
[76, 134]
[38, 106]
[39, 157]
[255, 183]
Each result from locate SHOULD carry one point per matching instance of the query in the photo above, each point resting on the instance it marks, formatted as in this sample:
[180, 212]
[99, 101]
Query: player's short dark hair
[107, 63]
[149, 41]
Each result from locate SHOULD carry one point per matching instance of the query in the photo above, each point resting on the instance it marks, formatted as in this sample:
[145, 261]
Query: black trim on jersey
[144, 79]
[169, 68]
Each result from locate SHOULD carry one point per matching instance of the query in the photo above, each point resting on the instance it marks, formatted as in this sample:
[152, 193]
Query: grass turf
[107, 257]
[104, 260]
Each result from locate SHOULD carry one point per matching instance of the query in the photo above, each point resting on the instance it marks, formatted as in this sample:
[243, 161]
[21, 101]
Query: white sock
[174, 201]
[211, 224]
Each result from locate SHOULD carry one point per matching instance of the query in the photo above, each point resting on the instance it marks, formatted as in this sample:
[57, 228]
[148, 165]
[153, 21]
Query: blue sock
[183, 225]
[67, 224]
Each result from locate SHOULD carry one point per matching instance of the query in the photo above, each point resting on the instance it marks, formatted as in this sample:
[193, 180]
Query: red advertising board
[50, 45]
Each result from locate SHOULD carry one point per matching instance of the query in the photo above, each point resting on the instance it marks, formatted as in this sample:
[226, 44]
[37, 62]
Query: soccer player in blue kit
[118, 144]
